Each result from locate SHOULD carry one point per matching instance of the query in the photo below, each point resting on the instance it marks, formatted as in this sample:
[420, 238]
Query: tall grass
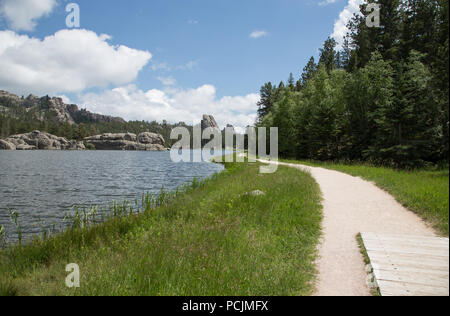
[206, 239]
[423, 191]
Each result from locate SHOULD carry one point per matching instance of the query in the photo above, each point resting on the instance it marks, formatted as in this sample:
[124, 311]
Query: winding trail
[350, 206]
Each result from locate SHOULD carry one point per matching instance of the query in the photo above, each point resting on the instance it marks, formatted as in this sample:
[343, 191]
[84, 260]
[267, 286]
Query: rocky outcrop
[10, 97]
[128, 141]
[151, 138]
[84, 116]
[209, 121]
[4, 145]
[56, 109]
[40, 141]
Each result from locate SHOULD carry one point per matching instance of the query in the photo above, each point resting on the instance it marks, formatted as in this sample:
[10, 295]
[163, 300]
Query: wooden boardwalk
[409, 265]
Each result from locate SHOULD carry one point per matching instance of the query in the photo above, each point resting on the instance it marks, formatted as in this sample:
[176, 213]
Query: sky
[160, 60]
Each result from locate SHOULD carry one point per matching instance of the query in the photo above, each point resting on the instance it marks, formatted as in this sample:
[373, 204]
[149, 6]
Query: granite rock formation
[55, 108]
[128, 141]
[39, 141]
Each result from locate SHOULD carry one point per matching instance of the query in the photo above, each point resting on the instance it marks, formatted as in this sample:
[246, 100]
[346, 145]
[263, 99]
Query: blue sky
[192, 55]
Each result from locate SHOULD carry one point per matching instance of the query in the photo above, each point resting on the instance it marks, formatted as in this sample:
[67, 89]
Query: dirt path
[350, 206]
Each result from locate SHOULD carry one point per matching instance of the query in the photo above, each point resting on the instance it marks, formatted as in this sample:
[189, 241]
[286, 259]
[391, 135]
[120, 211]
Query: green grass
[363, 250]
[425, 192]
[210, 239]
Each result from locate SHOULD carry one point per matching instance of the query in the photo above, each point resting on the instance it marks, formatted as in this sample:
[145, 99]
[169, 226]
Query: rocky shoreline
[128, 141]
[145, 141]
[37, 140]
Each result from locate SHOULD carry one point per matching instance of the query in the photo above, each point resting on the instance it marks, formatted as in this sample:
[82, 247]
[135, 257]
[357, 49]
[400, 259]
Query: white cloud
[160, 66]
[65, 98]
[190, 65]
[22, 14]
[68, 61]
[174, 105]
[258, 34]
[167, 81]
[165, 67]
[327, 2]
[340, 26]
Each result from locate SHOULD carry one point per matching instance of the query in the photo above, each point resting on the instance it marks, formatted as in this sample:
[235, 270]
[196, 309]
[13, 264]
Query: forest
[381, 98]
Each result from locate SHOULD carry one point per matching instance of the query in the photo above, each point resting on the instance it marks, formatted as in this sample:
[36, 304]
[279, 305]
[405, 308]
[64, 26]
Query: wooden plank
[437, 261]
[409, 242]
[409, 250]
[371, 236]
[409, 265]
[412, 278]
[389, 288]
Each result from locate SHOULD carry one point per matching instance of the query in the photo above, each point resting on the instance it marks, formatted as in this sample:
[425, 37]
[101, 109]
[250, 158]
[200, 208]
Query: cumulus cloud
[258, 34]
[174, 105]
[23, 14]
[68, 61]
[340, 26]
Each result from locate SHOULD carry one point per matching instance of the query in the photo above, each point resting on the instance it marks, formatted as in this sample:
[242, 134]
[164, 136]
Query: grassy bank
[209, 239]
[425, 192]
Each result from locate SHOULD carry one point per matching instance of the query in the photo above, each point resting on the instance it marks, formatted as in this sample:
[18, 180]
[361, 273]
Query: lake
[44, 186]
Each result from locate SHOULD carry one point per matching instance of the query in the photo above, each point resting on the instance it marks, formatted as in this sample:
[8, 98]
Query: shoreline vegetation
[211, 237]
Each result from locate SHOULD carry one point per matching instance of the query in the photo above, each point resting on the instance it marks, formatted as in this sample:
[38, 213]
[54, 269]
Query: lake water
[44, 186]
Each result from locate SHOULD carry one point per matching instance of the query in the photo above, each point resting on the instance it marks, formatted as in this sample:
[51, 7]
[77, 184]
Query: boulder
[25, 147]
[74, 145]
[5, 145]
[151, 138]
[43, 141]
[128, 141]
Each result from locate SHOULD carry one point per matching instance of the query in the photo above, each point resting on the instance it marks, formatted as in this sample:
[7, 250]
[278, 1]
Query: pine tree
[266, 100]
[291, 82]
[308, 72]
[328, 56]
[283, 119]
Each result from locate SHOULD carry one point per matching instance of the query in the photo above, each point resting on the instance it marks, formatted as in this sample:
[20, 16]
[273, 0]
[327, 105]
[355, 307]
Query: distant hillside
[51, 108]
[22, 115]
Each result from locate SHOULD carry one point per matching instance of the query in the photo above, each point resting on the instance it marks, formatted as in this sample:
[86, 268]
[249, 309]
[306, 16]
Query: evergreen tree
[291, 82]
[328, 55]
[283, 119]
[308, 72]
[266, 100]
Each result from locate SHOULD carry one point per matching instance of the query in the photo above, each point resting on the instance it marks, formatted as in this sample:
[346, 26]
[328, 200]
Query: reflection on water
[43, 186]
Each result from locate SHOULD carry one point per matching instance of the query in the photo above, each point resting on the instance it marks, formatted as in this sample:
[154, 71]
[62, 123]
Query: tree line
[381, 97]
[18, 121]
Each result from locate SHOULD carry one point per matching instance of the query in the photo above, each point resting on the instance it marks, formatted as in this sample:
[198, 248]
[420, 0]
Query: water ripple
[45, 185]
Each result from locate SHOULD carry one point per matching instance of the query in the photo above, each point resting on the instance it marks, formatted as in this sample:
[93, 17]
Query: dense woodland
[383, 97]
